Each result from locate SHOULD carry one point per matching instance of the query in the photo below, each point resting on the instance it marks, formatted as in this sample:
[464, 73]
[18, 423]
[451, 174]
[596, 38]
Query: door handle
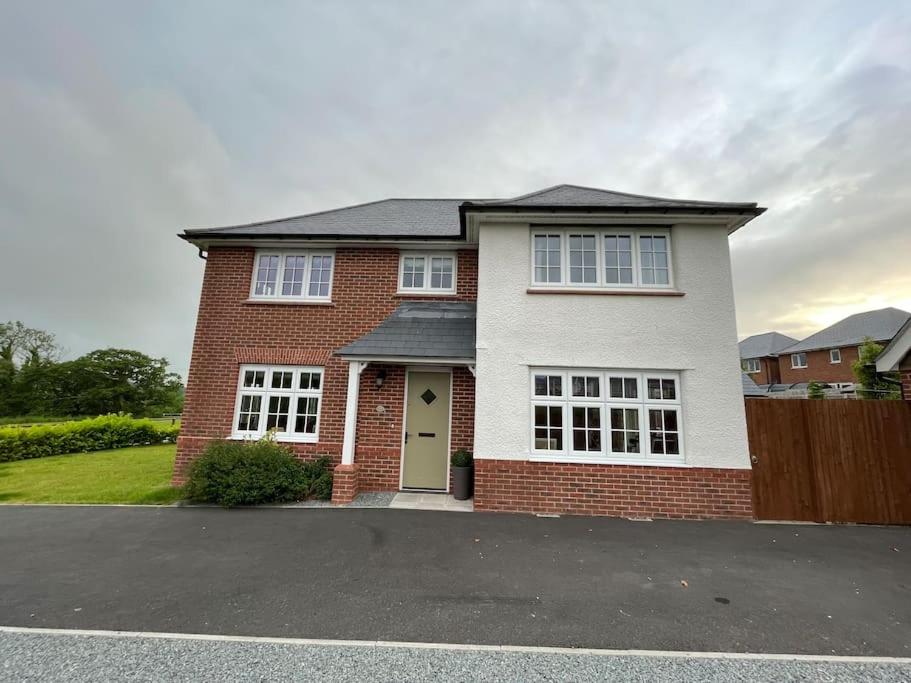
[406, 437]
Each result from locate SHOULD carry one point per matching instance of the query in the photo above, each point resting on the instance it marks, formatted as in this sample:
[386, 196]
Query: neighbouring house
[896, 357]
[580, 342]
[828, 355]
[759, 356]
[750, 388]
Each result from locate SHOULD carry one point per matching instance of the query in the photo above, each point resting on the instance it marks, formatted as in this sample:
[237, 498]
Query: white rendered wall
[695, 334]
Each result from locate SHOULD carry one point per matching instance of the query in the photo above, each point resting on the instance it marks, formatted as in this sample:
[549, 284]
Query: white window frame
[305, 295]
[566, 401]
[794, 360]
[427, 289]
[634, 232]
[294, 394]
[752, 366]
[834, 356]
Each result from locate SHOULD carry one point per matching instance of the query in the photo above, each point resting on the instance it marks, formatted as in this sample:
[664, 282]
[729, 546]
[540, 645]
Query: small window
[549, 385]
[583, 257]
[661, 389]
[547, 259]
[798, 360]
[835, 355]
[624, 387]
[300, 275]
[427, 273]
[664, 437]
[618, 259]
[587, 387]
[653, 253]
[751, 365]
[549, 428]
[624, 430]
[586, 429]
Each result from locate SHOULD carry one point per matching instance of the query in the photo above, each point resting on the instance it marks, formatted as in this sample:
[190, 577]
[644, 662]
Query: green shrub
[233, 473]
[96, 434]
[462, 458]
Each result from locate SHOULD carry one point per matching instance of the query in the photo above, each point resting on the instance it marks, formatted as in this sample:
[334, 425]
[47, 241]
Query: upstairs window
[835, 356]
[292, 275]
[751, 366]
[798, 360]
[616, 258]
[427, 273]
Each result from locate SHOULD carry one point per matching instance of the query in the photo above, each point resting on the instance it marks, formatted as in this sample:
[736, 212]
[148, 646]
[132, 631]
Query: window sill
[279, 439]
[582, 460]
[601, 291]
[289, 302]
[406, 294]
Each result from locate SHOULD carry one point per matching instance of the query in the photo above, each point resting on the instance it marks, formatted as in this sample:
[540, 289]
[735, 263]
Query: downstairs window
[283, 399]
[606, 416]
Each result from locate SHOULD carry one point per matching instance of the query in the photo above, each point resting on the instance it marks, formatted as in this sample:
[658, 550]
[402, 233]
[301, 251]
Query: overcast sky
[122, 123]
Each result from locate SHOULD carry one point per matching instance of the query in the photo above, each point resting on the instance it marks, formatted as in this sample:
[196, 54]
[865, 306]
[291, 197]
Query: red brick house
[759, 356]
[578, 341]
[828, 355]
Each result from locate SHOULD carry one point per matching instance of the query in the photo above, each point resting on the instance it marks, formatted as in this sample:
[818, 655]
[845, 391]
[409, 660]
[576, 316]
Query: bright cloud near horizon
[123, 123]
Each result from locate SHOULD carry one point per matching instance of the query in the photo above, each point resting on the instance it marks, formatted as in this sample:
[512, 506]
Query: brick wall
[819, 369]
[768, 371]
[613, 490]
[906, 383]
[230, 330]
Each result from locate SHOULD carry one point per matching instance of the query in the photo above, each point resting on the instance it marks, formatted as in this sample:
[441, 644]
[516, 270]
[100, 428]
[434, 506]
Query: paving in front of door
[414, 500]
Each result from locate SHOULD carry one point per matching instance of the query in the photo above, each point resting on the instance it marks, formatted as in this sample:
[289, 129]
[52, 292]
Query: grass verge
[138, 475]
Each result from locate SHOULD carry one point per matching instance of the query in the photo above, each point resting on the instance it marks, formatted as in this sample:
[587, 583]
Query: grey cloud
[123, 123]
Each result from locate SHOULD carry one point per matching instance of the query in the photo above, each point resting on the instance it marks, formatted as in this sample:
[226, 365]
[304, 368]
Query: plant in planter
[462, 474]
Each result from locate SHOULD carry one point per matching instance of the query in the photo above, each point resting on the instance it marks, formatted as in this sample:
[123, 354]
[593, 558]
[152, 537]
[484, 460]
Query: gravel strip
[58, 657]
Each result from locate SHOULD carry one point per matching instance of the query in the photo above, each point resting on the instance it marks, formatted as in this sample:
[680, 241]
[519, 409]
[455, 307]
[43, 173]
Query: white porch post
[355, 368]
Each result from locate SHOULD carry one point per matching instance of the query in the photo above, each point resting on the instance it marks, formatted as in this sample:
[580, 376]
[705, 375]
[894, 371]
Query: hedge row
[97, 434]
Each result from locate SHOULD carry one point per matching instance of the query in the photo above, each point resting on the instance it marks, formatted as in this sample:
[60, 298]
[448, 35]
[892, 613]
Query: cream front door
[424, 461]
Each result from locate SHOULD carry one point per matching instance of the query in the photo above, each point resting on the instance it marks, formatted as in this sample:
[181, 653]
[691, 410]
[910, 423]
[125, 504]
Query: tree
[814, 390]
[873, 384]
[22, 345]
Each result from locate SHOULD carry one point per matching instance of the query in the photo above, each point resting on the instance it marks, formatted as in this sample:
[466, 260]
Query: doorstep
[413, 500]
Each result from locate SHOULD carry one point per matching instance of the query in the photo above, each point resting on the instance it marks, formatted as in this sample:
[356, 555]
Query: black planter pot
[462, 482]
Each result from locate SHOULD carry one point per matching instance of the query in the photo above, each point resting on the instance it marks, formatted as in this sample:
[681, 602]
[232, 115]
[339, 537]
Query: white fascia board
[426, 245]
[898, 348]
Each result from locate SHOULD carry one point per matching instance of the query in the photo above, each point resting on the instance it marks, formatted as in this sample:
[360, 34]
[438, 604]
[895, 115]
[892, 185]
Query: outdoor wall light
[380, 378]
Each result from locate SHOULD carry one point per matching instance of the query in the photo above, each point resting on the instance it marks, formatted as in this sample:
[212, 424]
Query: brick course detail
[612, 490]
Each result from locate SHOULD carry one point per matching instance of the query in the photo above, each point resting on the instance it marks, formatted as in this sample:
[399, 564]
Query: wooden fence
[831, 461]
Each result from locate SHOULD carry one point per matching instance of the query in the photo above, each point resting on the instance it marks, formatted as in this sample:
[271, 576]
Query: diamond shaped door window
[428, 397]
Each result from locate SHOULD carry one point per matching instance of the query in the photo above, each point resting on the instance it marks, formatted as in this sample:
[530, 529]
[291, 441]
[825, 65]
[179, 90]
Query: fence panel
[833, 461]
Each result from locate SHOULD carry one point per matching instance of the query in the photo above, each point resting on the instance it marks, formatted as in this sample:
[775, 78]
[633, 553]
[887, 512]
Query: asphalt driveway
[402, 575]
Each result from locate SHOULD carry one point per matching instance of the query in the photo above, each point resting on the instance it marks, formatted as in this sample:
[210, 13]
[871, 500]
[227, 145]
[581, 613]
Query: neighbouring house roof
[419, 329]
[896, 351]
[767, 344]
[445, 218]
[750, 388]
[879, 325]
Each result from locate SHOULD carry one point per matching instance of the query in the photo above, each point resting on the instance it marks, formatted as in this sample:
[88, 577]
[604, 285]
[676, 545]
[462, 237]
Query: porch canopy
[417, 332]
[440, 332]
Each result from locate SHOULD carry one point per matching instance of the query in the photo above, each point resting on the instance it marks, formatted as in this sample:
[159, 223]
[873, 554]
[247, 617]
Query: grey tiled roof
[442, 218]
[420, 218]
[762, 345]
[879, 325]
[420, 329]
[576, 195]
[750, 388]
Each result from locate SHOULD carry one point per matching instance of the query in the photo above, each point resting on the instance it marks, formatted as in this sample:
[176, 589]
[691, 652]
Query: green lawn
[125, 475]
